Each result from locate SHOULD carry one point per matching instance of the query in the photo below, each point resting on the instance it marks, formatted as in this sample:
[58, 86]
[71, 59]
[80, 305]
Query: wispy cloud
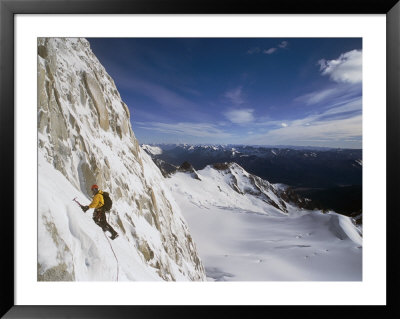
[345, 69]
[317, 97]
[326, 132]
[253, 50]
[256, 50]
[169, 95]
[157, 93]
[346, 74]
[166, 98]
[235, 96]
[331, 95]
[329, 131]
[354, 105]
[240, 116]
[270, 51]
[342, 124]
[185, 129]
[281, 45]
[338, 119]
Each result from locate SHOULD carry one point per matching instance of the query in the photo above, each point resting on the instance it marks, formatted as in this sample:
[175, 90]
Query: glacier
[246, 229]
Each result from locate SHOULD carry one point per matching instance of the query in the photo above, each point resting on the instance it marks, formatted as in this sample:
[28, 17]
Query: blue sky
[255, 91]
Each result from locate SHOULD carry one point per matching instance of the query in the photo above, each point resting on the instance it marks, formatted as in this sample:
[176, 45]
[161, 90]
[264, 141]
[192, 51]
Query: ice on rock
[85, 137]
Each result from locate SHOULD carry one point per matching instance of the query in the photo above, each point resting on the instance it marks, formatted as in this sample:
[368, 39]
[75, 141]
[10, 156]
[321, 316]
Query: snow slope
[85, 138]
[86, 253]
[241, 237]
[152, 150]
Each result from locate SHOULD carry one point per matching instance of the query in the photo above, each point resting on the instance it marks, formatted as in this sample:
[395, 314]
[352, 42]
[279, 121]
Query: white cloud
[346, 69]
[334, 127]
[235, 96]
[256, 50]
[318, 133]
[242, 116]
[270, 50]
[185, 129]
[253, 50]
[158, 93]
[283, 44]
[350, 106]
[339, 93]
[318, 96]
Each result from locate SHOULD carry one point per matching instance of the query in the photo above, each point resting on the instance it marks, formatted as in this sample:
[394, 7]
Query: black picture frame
[8, 10]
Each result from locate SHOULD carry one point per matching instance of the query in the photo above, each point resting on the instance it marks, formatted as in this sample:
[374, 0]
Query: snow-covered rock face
[244, 183]
[152, 150]
[85, 138]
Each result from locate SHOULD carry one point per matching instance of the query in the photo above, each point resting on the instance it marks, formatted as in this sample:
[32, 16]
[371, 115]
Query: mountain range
[332, 178]
[183, 212]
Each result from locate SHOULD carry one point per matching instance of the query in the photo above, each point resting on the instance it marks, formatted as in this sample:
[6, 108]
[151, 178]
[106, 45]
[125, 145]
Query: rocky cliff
[84, 138]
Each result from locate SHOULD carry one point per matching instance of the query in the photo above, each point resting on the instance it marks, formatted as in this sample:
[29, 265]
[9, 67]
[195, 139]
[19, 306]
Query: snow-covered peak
[152, 150]
[237, 182]
[248, 229]
[84, 138]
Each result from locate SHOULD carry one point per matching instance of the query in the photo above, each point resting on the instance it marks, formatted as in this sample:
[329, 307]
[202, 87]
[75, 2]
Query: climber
[99, 214]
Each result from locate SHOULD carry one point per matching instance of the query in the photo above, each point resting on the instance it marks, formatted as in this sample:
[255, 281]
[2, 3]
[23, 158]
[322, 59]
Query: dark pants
[99, 217]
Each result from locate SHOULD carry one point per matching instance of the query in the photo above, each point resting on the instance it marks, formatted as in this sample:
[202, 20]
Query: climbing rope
[112, 251]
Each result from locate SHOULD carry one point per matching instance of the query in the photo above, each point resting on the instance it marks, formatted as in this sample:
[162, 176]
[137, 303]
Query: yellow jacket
[98, 200]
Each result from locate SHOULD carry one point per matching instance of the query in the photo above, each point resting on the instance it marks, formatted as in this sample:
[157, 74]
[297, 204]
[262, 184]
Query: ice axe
[77, 202]
[84, 208]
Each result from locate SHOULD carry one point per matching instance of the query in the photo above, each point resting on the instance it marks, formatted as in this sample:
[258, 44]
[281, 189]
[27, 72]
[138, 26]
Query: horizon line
[251, 145]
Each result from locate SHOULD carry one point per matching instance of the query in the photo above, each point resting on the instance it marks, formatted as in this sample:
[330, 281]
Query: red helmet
[94, 187]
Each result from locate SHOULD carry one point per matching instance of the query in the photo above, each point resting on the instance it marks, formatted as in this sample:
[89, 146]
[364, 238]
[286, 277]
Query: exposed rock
[56, 273]
[89, 178]
[95, 92]
[186, 167]
[126, 109]
[221, 166]
[146, 251]
[165, 168]
[85, 133]
[61, 272]
[42, 51]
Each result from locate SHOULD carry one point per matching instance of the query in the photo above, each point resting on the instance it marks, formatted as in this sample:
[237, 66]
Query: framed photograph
[166, 154]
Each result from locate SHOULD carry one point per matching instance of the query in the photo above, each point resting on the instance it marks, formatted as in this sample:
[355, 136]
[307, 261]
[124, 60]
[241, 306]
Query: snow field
[241, 238]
